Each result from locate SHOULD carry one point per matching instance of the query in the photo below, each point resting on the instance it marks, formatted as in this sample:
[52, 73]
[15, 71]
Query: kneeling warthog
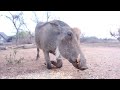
[59, 38]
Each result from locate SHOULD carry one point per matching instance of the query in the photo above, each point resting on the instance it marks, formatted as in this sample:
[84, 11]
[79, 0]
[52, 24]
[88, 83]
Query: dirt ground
[103, 62]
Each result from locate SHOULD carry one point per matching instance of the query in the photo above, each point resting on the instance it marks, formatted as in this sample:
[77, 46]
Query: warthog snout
[77, 64]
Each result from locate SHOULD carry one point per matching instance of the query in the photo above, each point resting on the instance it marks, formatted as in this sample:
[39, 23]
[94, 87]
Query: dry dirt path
[103, 63]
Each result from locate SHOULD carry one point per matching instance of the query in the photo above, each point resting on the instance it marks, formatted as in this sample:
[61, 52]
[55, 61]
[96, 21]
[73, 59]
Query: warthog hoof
[49, 66]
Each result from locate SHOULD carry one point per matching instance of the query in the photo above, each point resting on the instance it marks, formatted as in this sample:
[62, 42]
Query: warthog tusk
[78, 59]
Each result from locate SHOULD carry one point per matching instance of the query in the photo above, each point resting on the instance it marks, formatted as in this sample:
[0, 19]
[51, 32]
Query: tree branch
[36, 18]
[8, 18]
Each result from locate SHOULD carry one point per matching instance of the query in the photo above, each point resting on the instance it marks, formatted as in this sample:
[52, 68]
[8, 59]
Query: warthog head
[68, 47]
[67, 44]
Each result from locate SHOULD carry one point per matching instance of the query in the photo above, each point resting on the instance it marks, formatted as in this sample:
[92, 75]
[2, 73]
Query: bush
[11, 58]
[90, 39]
[25, 37]
[95, 40]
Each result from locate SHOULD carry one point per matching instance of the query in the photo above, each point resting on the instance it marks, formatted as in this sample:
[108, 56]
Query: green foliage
[23, 34]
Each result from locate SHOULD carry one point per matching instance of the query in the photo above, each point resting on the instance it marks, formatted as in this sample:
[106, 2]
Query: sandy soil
[103, 63]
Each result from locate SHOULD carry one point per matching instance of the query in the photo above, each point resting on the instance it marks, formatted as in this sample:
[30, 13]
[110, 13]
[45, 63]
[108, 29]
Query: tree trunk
[17, 37]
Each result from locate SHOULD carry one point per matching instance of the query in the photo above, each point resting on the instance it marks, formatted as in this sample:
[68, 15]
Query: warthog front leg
[47, 58]
[37, 54]
[59, 63]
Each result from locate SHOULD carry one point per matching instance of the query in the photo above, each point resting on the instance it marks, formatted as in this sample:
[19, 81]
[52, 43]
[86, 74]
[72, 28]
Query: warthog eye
[69, 33]
[58, 33]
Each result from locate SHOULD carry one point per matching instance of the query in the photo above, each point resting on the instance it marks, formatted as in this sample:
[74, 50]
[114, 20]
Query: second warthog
[58, 38]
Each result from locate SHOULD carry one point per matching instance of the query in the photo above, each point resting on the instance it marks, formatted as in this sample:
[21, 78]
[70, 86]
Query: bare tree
[36, 19]
[48, 16]
[116, 35]
[18, 23]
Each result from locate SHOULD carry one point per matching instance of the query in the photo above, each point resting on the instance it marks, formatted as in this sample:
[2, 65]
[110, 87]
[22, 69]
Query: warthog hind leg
[47, 58]
[38, 56]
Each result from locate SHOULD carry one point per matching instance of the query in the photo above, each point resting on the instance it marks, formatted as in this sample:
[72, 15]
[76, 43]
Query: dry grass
[103, 62]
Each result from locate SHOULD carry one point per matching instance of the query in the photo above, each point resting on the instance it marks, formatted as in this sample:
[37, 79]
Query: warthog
[58, 38]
